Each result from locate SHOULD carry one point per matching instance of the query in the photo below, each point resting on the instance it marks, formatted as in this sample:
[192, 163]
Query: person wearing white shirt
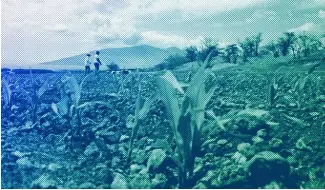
[87, 64]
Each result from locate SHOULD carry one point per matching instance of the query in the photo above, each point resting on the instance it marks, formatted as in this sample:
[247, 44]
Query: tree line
[299, 45]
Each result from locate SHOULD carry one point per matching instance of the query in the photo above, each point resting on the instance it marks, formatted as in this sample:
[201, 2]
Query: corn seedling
[38, 92]
[134, 121]
[187, 119]
[69, 105]
[300, 85]
[6, 93]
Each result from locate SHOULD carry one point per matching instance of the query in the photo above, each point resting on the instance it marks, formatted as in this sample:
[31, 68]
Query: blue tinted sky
[35, 31]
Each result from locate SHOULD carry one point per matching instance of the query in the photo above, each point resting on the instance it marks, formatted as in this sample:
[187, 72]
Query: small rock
[280, 106]
[200, 185]
[262, 133]
[261, 106]
[24, 163]
[273, 185]
[115, 162]
[292, 105]
[159, 182]
[321, 98]
[54, 167]
[239, 158]
[257, 139]
[91, 150]
[300, 144]
[275, 143]
[135, 168]
[44, 182]
[140, 156]
[141, 181]
[46, 124]
[14, 108]
[119, 182]
[87, 185]
[20, 154]
[156, 158]
[222, 142]
[245, 149]
[124, 138]
[27, 127]
[314, 114]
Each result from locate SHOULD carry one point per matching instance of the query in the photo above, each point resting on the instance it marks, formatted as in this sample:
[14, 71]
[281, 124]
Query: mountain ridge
[127, 57]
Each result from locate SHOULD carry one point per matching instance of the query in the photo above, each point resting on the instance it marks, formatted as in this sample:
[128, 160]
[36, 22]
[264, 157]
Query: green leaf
[93, 103]
[6, 92]
[296, 120]
[146, 106]
[168, 76]
[166, 92]
[73, 87]
[62, 107]
[46, 85]
[253, 112]
[156, 158]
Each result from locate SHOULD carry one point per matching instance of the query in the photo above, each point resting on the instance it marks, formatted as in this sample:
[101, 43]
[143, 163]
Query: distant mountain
[128, 57]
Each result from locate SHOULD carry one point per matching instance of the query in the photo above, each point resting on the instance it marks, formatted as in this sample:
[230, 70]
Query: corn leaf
[6, 92]
[296, 120]
[166, 90]
[168, 76]
[47, 84]
[253, 112]
[186, 133]
[146, 106]
[62, 107]
[93, 103]
[73, 87]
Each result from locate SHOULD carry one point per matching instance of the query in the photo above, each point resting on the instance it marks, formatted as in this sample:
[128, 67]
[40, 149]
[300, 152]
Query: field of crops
[236, 127]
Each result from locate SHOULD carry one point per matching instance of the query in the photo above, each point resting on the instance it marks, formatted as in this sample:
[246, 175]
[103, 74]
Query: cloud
[321, 14]
[203, 6]
[262, 14]
[163, 40]
[307, 27]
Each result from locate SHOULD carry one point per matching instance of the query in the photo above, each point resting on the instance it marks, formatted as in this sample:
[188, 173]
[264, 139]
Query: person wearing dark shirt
[97, 62]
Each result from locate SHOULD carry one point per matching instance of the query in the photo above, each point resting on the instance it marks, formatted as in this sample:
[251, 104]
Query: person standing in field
[97, 62]
[87, 64]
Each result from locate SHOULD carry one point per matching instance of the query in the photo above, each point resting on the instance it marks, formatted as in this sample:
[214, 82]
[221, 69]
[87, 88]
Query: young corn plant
[6, 93]
[37, 93]
[186, 116]
[134, 121]
[69, 105]
[300, 84]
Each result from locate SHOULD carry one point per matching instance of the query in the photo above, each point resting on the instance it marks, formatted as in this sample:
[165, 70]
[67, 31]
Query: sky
[35, 31]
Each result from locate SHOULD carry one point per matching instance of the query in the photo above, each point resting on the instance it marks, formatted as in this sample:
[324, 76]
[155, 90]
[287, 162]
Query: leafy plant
[187, 119]
[6, 92]
[134, 121]
[300, 84]
[38, 92]
[69, 105]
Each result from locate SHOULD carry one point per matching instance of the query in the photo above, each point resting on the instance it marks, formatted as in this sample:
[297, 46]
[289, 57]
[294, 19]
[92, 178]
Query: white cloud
[59, 27]
[262, 14]
[321, 14]
[202, 6]
[162, 40]
[307, 27]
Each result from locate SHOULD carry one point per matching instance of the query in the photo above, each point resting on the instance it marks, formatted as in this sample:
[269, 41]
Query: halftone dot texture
[263, 127]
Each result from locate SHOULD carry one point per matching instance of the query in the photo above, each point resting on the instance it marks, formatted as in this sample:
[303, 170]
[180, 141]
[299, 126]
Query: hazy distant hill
[129, 57]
